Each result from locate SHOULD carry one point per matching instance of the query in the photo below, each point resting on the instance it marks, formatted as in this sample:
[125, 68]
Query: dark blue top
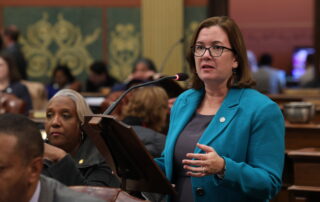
[21, 91]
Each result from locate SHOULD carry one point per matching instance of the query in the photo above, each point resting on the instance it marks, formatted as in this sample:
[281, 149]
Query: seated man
[99, 78]
[21, 160]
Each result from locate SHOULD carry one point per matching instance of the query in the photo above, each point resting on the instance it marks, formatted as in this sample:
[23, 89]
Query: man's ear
[35, 168]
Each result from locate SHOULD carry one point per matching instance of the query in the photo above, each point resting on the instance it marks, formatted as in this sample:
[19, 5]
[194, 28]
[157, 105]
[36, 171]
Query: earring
[82, 133]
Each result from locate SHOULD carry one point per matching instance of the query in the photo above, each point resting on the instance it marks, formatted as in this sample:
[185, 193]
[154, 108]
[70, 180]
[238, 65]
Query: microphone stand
[169, 53]
[115, 103]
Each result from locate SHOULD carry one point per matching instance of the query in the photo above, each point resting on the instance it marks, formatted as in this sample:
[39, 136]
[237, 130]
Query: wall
[275, 26]
[76, 33]
[101, 29]
[268, 26]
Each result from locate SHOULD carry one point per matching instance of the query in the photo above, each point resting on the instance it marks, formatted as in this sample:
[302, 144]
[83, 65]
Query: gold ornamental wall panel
[52, 36]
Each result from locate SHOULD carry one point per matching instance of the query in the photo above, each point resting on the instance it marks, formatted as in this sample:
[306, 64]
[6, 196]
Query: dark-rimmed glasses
[214, 51]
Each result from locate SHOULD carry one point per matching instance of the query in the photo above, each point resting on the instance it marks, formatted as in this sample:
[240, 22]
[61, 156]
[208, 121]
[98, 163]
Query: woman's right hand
[53, 153]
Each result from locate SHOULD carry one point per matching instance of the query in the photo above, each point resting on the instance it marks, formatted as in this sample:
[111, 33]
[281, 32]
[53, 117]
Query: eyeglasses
[214, 51]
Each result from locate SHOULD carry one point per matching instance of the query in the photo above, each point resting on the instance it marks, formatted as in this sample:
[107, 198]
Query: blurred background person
[269, 80]
[21, 158]
[252, 59]
[307, 79]
[143, 69]
[71, 157]
[10, 81]
[99, 78]
[10, 38]
[62, 78]
[146, 111]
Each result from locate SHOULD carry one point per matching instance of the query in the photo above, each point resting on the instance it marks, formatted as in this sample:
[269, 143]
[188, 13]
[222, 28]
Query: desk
[283, 98]
[300, 136]
[306, 164]
[299, 96]
[94, 100]
[306, 178]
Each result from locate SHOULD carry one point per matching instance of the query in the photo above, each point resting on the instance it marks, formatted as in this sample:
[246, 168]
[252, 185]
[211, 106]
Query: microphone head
[181, 77]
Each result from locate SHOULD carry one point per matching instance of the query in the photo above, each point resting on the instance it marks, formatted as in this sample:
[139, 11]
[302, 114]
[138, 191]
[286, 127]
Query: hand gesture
[208, 163]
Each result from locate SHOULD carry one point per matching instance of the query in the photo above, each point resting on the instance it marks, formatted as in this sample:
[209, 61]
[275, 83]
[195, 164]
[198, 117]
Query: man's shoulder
[52, 190]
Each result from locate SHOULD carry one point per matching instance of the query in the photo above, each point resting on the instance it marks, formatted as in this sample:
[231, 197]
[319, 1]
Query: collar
[232, 98]
[222, 118]
[36, 194]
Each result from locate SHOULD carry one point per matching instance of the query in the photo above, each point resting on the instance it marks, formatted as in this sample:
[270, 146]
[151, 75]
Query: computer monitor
[299, 57]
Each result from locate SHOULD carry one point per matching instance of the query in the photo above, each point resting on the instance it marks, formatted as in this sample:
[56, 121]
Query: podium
[126, 155]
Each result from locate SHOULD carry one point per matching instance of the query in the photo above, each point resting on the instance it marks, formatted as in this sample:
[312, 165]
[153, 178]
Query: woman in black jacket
[71, 157]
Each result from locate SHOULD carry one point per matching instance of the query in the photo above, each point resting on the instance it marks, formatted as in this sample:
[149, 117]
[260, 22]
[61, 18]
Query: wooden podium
[126, 155]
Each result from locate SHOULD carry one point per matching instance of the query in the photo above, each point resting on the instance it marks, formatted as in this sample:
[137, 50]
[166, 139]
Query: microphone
[177, 77]
[164, 61]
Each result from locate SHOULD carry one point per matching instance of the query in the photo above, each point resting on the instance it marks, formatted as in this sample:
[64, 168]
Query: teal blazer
[248, 132]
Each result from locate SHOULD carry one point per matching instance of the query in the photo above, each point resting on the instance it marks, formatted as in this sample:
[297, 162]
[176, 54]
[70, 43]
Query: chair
[107, 193]
[38, 94]
[9, 103]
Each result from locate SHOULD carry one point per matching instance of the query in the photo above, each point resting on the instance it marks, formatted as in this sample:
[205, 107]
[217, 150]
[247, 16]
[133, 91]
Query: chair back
[38, 94]
[107, 193]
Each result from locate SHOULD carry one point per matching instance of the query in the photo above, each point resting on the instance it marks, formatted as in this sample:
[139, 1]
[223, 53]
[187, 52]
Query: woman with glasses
[225, 140]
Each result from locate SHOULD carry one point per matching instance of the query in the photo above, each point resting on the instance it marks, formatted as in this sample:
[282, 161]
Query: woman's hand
[53, 153]
[204, 164]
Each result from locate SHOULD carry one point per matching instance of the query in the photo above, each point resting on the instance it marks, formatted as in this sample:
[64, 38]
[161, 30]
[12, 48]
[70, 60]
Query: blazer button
[200, 191]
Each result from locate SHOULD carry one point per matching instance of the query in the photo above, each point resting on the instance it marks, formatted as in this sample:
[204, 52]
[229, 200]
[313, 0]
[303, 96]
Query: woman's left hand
[204, 164]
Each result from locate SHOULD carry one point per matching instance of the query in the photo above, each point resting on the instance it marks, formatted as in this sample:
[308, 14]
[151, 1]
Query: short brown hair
[150, 104]
[243, 78]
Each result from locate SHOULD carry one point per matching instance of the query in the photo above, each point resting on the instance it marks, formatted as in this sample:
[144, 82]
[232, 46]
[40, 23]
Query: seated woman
[62, 78]
[143, 70]
[146, 111]
[10, 81]
[71, 157]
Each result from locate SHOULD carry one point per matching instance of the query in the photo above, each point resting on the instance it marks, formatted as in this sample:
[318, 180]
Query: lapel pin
[222, 119]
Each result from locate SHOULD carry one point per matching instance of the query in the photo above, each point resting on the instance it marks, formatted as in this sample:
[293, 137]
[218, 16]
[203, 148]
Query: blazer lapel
[221, 120]
[187, 107]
